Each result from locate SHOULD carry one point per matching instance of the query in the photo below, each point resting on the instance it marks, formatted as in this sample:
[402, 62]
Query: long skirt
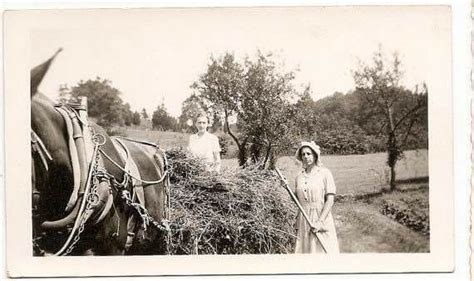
[309, 243]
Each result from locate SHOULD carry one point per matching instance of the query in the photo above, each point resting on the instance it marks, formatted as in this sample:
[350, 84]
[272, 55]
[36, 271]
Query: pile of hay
[239, 211]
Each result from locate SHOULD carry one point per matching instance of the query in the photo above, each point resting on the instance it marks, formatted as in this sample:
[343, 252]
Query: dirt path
[362, 228]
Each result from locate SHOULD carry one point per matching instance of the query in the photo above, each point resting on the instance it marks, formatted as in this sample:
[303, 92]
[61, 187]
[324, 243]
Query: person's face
[307, 156]
[201, 124]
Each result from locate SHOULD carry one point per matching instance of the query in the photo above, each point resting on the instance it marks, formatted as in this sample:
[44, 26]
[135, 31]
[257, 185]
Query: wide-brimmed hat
[314, 147]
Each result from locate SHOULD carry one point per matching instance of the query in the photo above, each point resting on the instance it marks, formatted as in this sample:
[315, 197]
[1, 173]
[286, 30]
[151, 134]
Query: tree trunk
[254, 152]
[242, 154]
[393, 152]
[241, 147]
[267, 155]
[393, 177]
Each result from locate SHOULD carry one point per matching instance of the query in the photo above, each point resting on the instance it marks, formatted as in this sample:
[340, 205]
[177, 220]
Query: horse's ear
[37, 73]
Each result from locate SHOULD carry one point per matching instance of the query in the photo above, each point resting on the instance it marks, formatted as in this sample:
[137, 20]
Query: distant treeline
[340, 124]
[343, 123]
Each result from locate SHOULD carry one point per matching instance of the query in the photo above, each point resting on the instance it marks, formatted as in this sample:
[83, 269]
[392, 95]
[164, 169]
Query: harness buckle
[99, 139]
[93, 199]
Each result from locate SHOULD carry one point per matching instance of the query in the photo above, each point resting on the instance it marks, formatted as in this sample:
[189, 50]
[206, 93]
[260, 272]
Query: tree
[136, 118]
[305, 115]
[161, 119]
[103, 101]
[258, 94]
[144, 114]
[265, 114]
[389, 108]
[127, 114]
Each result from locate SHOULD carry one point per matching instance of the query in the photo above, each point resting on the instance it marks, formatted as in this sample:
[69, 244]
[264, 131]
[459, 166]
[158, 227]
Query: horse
[92, 194]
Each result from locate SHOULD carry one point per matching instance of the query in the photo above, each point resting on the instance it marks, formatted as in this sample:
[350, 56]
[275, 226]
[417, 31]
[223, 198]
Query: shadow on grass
[404, 185]
[413, 180]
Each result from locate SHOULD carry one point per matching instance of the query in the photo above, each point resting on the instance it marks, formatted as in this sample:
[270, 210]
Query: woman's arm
[330, 191]
[328, 203]
[327, 207]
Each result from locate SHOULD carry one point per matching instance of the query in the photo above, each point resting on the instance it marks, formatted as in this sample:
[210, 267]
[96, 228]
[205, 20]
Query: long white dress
[311, 190]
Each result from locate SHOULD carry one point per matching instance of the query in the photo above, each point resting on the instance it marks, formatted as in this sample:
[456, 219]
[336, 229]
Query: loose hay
[239, 211]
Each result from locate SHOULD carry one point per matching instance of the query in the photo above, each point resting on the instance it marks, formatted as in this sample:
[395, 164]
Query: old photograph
[222, 135]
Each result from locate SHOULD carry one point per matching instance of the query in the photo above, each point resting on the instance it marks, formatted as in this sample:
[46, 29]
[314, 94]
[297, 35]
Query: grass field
[355, 174]
[164, 139]
[360, 224]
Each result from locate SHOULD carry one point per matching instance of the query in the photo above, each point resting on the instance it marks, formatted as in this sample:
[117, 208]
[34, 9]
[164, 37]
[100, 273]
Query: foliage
[224, 143]
[266, 115]
[127, 114]
[408, 206]
[190, 109]
[162, 120]
[258, 94]
[340, 124]
[136, 120]
[408, 213]
[144, 114]
[103, 101]
[389, 109]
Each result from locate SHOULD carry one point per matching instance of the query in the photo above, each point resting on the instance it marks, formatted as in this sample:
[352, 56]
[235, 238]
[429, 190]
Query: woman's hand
[318, 227]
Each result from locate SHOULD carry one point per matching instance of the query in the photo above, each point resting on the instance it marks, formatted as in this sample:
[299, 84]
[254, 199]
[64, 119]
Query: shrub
[224, 143]
[411, 211]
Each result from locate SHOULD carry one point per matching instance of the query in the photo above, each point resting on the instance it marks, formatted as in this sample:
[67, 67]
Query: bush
[411, 211]
[240, 211]
[342, 142]
[224, 143]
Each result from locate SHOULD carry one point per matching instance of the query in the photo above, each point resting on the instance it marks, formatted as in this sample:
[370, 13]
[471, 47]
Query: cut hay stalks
[239, 211]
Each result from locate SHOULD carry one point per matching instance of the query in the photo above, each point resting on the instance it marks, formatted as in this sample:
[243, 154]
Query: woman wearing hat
[315, 190]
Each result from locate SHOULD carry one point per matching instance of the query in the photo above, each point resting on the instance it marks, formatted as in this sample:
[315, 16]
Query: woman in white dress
[205, 145]
[315, 190]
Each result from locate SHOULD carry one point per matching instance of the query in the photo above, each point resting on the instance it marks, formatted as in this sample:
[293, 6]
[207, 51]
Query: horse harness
[94, 184]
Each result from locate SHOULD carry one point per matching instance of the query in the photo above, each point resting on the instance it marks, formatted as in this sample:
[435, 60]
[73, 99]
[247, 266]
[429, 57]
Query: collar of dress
[314, 170]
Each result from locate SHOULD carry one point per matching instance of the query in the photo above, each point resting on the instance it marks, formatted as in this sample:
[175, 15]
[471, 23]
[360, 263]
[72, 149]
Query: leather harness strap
[38, 146]
[73, 154]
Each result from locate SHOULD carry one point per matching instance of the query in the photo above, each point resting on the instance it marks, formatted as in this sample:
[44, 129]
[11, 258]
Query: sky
[153, 56]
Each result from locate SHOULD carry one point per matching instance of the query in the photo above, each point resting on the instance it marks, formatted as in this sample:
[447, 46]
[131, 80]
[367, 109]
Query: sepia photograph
[253, 135]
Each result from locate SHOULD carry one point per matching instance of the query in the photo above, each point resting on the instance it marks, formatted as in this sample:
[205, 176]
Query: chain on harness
[90, 197]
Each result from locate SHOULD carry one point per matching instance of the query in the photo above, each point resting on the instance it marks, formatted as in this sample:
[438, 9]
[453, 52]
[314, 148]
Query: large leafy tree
[266, 114]
[389, 109]
[103, 101]
[257, 93]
